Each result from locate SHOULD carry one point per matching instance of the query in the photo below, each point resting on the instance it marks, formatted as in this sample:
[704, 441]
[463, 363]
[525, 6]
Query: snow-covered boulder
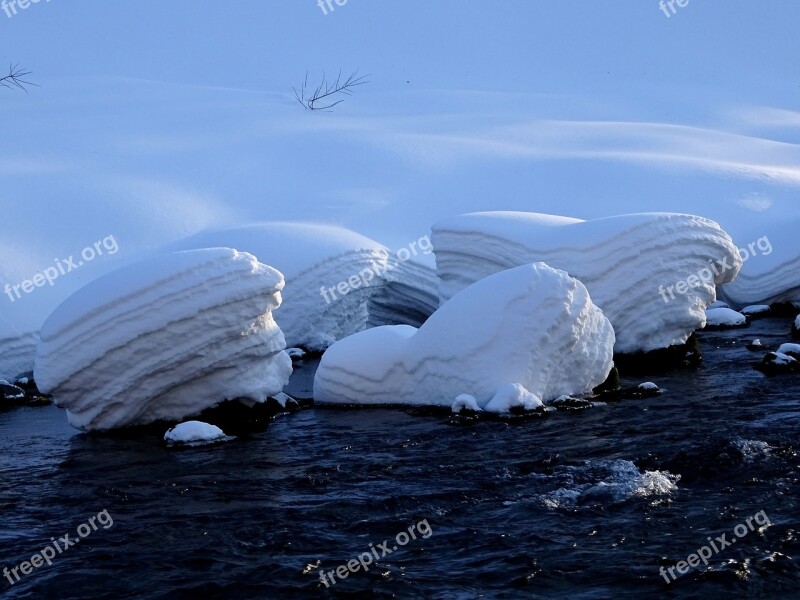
[724, 317]
[338, 281]
[755, 310]
[792, 350]
[165, 338]
[796, 328]
[652, 274]
[533, 326]
[194, 433]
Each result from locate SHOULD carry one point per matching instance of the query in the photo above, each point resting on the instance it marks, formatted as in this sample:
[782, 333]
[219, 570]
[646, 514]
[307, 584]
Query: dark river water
[575, 504]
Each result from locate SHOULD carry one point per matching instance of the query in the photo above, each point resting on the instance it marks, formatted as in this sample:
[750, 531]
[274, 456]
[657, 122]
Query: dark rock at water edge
[662, 360]
[775, 364]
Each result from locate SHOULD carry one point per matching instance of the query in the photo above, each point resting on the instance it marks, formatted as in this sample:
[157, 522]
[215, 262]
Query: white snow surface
[717, 317]
[165, 338]
[531, 325]
[755, 309]
[193, 432]
[790, 349]
[624, 261]
[465, 402]
[378, 288]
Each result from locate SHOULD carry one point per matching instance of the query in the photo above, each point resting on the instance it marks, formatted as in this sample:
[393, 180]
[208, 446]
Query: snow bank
[338, 282]
[771, 270]
[165, 338]
[648, 272]
[532, 325]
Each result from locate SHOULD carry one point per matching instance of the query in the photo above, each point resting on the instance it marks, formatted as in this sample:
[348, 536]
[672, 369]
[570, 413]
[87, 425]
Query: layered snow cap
[165, 338]
[532, 325]
[771, 271]
[652, 274]
[337, 281]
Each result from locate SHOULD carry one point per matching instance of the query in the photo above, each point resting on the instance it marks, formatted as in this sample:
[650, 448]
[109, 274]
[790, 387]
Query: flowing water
[574, 504]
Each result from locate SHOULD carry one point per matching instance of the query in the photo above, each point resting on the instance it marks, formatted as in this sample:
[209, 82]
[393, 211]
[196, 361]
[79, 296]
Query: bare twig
[16, 79]
[323, 96]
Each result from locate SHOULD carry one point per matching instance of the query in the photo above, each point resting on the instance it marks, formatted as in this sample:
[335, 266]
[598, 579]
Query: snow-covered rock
[648, 386]
[792, 350]
[796, 328]
[755, 309]
[652, 274]
[512, 396]
[165, 338]
[724, 317]
[338, 282]
[531, 325]
[465, 402]
[718, 304]
[194, 433]
[777, 363]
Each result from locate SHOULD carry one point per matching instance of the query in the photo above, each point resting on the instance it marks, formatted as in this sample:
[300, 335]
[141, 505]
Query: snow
[782, 359]
[208, 141]
[194, 432]
[771, 273]
[631, 264]
[724, 317]
[465, 402]
[648, 385]
[718, 304]
[510, 396]
[797, 323]
[531, 325]
[165, 338]
[790, 349]
[755, 309]
[337, 281]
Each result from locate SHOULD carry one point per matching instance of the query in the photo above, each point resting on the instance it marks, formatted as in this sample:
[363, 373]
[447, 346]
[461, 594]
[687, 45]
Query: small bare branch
[16, 79]
[322, 97]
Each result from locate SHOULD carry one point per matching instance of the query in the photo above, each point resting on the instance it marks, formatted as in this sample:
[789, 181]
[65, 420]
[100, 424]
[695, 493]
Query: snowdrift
[338, 282]
[165, 338]
[771, 270]
[531, 325]
[652, 274]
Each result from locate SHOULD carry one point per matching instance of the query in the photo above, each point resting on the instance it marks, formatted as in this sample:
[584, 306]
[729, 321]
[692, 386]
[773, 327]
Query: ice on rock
[626, 262]
[165, 338]
[194, 433]
[338, 282]
[532, 325]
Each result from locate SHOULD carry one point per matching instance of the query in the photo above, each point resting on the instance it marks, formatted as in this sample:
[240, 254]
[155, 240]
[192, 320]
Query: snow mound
[771, 270]
[338, 282]
[724, 317]
[194, 433]
[531, 325]
[650, 273]
[165, 338]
